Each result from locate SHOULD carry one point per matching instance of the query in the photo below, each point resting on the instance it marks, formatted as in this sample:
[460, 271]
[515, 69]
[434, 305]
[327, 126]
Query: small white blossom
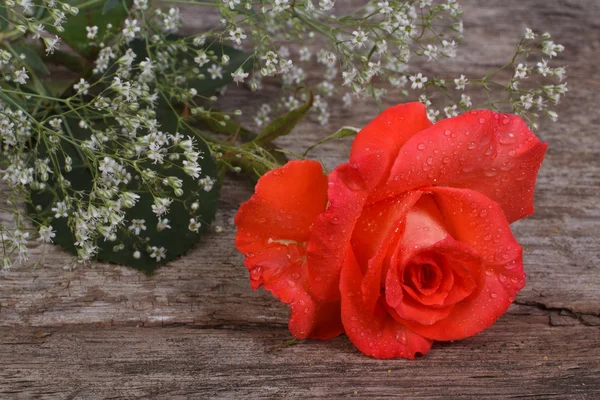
[239, 75]
[418, 81]
[92, 31]
[46, 234]
[20, 76]
[359, 38]
[215, 72]
[82, 86]
[461, 82]
[158, 253]
[237, 35]
[194, 225]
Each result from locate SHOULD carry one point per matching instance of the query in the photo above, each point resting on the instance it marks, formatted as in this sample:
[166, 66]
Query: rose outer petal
[494, 154]
[478, 222]
[376, 146]
[332, 231]
[372, 330]
[273, 229]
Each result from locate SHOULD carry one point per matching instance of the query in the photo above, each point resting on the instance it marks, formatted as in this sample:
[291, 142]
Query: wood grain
[197, 330]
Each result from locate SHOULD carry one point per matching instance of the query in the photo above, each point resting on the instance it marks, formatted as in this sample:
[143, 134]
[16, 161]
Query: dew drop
[262, 220]
[489, 272]
[502, 278]
[430, 161]
[295, 275]
[493, 295]
[447, 132]
[471, 145]
[507, 138]
[482, 120]
[446, 160]
[421, 146]
[483, 213]
[474, 205]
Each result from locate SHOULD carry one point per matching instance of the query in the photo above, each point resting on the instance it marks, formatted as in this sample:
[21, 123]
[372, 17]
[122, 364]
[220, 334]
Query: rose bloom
[407, 243]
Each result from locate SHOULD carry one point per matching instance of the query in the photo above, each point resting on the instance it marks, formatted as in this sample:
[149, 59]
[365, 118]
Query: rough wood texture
[197, 330]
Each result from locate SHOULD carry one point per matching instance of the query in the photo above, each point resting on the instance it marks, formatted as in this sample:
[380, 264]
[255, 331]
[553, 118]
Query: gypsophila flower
[418, 81]
[82, 86]
[239, 75]
[465, 101]
[529, 35]
[158, 253]
[431, 52]
[51, 44]
[161, 206]
[201, 58]
[359, 38]
[194, 225]
[527, 101]
[543, 69]
[237, 35]
[131, 29]
[521, 71]
[551, 49]
[163, 224]
[46, 234]
[92, 31]
[451, 111]
[137, 226]
[20, 76]
[215, 72]
[270, 58]
[60, 209]
[461, 82]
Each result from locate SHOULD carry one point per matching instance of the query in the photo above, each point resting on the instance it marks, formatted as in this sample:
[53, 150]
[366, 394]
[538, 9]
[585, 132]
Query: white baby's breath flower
[418, 81]
[461, 82]
[215, 72]
[359, 38]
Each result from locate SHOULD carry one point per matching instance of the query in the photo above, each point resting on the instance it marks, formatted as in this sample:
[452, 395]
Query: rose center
[424, 278]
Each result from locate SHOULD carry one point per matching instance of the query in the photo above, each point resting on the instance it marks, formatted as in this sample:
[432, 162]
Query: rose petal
[273, 229]
[377, 144]
[502, 277]
[372, 330]
[495, 154]
[332, 231]
[379, 226]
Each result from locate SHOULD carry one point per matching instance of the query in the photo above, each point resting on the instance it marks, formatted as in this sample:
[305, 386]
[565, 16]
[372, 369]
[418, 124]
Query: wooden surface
[197, 330]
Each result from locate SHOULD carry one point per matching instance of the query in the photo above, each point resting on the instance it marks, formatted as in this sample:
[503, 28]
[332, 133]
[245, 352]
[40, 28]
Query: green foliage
[177, 240]
[74, 32]
[343, 132]
[284, 124]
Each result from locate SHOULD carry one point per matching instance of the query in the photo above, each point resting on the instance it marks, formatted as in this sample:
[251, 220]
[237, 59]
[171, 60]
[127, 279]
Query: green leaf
[3, 17]
[32, 59]
[343, 132]
[177, 240]
[109, 5]
[284, 124]
[90, 14]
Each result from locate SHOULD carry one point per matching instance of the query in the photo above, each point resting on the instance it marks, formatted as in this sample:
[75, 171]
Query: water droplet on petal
[447, 132]
[482, 120]
[421, 146]
[471, 145]
[493, 295]
[446, 160]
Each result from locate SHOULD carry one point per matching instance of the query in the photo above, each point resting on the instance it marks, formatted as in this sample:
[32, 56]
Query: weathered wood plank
[519, 357]
[218, 330]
